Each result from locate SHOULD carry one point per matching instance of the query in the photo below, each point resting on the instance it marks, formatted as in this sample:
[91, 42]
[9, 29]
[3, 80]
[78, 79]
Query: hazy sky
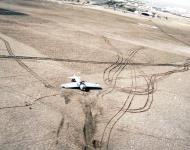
[181, 3]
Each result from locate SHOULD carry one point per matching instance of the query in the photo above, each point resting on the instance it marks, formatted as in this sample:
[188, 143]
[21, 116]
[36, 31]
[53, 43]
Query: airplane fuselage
[82, 86]
[76, 83]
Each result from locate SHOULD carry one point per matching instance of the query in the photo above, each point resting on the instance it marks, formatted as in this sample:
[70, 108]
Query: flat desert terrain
[141, 63]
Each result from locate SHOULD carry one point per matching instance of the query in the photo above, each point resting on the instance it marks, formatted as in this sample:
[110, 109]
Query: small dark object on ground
[96, 144]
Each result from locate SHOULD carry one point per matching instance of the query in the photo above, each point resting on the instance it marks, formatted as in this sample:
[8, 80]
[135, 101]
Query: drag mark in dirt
[85, 61]
[23, 65]
[59, 129]
[89, 128]
[27, 104]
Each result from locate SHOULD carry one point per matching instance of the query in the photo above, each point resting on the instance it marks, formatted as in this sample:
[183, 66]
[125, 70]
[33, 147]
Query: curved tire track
[24, 66]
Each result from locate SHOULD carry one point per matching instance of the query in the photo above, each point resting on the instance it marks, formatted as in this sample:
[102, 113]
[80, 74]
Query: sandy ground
[141, 63]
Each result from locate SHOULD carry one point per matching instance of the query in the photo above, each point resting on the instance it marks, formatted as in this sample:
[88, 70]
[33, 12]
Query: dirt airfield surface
[141, 63]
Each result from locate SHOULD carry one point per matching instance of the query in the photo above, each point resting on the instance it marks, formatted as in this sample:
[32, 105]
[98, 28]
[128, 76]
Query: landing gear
[87, 89]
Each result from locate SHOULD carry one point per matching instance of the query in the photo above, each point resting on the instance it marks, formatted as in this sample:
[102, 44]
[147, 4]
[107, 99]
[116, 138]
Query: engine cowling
[83, 87]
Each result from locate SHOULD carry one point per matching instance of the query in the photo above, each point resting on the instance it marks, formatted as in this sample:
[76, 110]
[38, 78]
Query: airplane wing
[70, 85]
[92, 85]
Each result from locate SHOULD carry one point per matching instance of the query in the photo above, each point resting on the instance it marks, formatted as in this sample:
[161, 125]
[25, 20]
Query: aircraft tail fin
[77, 78]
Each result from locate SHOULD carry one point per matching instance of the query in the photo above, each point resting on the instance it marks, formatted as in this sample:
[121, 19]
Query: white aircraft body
[76, 83]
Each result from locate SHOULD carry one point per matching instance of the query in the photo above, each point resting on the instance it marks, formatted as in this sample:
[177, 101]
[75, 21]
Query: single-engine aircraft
[76, 83]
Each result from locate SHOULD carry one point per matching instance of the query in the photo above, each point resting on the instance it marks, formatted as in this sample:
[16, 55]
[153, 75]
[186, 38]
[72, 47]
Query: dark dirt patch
[89, 128]
[11, 12]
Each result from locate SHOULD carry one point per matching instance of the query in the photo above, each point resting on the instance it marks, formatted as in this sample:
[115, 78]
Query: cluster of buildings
[142, 8]
[134, 6]
[131, 6]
